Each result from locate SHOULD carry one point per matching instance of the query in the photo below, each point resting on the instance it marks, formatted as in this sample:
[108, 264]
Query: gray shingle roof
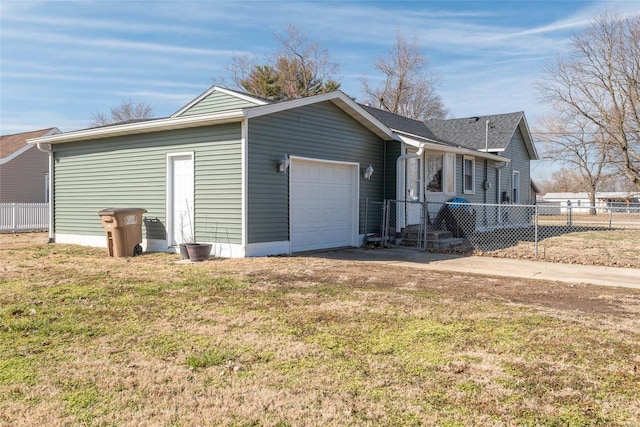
[404, 124]
[471, 131]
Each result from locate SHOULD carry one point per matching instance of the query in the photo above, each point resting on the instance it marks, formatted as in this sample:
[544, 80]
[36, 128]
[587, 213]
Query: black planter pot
[199, 251]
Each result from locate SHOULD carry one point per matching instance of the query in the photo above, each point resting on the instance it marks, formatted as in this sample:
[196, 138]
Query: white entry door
[323, 203]
[180, 198]
[413, 186]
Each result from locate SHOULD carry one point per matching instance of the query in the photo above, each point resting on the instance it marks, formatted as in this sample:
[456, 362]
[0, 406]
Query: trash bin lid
[457, 200]
[111, 211]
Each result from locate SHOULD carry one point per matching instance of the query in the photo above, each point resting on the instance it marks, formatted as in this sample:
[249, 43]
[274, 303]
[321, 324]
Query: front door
[180, 207]
[413, 186]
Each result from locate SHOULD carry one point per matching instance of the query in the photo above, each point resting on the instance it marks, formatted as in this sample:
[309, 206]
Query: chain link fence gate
[461, 226]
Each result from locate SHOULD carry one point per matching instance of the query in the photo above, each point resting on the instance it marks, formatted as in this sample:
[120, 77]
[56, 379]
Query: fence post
[610, 217]
[14, 217]
[535, 228]
[385, 219]
[366, 217]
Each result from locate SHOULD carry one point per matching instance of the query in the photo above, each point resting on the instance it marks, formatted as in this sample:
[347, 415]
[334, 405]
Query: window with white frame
[440, 173]
[469, 173]
[435, 173]
[516, 187]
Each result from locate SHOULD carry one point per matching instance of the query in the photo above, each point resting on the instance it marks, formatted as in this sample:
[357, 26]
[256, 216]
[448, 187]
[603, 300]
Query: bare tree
[579, 145]
[600, 82]
[300, 68]
[126, 111]
[563, 181]
[408, 89]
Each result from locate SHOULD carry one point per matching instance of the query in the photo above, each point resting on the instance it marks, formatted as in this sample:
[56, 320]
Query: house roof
[11, 145]
[385, 125]
[415, 132]
[402, 124]
[180, 122]
[472, 131]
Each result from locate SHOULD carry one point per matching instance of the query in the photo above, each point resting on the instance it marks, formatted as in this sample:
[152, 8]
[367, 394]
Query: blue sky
[61, 61]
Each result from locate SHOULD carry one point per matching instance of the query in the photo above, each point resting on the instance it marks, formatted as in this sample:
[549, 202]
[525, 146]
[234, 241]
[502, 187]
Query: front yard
[91, 340]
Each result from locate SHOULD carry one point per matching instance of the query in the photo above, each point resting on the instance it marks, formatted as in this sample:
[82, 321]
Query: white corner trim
[244, 180]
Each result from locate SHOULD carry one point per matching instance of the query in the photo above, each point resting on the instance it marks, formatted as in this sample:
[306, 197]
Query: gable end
[217, 99]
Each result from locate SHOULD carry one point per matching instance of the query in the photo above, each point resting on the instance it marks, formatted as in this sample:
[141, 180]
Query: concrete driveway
[488, 266]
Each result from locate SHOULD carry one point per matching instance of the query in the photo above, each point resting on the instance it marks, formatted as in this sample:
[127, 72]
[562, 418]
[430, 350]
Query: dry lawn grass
[604, 239]
[614, 248]
[89, 340]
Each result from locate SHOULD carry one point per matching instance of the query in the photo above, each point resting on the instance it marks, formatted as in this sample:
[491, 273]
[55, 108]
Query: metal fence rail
[487, 227]
[16, 217]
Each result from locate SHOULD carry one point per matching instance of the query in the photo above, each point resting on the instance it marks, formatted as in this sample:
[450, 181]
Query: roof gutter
[449, 149]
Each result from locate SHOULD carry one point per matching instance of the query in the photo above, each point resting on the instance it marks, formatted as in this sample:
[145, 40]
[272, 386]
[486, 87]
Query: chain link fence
[462, 227]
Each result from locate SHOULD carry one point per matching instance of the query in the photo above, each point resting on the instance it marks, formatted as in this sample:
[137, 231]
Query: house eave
[170, 123]
[528, 140]
[435, 146]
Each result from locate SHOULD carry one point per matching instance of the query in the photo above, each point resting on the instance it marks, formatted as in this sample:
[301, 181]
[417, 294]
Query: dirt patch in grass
[91, 340]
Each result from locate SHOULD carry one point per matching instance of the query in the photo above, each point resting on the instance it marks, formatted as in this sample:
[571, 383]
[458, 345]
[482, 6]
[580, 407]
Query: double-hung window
[435, 165]
[516, 187]
[469, 173]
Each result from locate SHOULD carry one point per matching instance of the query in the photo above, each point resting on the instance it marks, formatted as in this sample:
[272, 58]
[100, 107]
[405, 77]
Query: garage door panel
[322, 204]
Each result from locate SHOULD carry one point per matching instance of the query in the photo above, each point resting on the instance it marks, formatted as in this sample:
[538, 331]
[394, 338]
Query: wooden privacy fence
[23, 217]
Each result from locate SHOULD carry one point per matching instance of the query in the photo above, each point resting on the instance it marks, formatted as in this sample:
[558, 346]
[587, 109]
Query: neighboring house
[619, 200]
[24, 170]
[254, 177]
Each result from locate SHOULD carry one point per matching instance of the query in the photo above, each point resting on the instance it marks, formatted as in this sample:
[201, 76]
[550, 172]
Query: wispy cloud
[116, 44]
[131, 26]
[64, 76]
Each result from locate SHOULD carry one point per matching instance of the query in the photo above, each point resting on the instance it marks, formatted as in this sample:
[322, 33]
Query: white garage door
[323, 202]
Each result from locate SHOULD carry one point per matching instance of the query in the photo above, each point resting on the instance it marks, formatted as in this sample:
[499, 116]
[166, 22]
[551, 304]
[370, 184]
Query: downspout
[46, 148]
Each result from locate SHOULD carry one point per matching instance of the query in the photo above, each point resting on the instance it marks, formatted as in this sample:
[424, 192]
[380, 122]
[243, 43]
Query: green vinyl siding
[320, 131]
[130, 171]
[216, 102]
[393, 151]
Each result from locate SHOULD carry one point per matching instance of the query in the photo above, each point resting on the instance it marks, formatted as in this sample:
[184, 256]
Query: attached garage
[218, 163]
[323, 203]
